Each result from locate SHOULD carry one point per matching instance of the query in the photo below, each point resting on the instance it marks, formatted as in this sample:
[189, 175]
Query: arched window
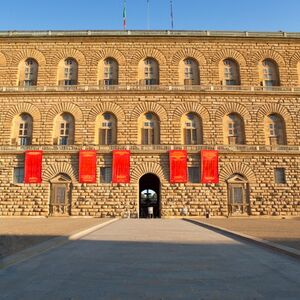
[275, 130]
[190, 69]
[110, 72]
[149, 129]
[191, 129]
[106, 129]
[22, 130]
[230, 73]
[269, 73]
[68, 72]
[28, 72]
[234, 131]
[149, 72]
[64, 129]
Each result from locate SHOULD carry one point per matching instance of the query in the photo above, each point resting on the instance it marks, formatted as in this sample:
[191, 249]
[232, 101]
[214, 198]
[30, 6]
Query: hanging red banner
[178, 166]
[209, 166]
[33, 166]
[121, 166]
[87, 166]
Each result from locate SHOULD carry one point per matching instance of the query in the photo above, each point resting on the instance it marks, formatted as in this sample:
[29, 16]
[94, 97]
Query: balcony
[154, 88]
[256, 149]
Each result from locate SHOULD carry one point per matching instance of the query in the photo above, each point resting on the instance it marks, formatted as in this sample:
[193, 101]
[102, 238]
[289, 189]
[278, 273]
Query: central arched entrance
[149, 196]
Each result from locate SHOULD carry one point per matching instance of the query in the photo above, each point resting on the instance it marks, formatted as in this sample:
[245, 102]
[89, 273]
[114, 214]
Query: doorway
[60, 196]
[149, 196]
[238, 195]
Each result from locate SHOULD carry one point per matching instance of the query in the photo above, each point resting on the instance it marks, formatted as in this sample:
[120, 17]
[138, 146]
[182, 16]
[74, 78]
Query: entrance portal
[60, 197]
[149, 196]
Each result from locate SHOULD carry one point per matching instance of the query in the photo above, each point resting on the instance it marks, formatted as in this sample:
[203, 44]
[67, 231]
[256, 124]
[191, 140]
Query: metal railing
[154, 148]
[187, 88]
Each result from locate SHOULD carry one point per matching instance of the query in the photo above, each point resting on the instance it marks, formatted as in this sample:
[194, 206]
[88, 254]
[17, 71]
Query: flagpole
[148, 15]
[172, 16]
[124, 15]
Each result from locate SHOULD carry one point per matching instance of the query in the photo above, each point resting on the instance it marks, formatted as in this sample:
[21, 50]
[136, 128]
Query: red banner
[209, 166]
[178, 166]
[33, 166]
[121, 166]
[87, 166]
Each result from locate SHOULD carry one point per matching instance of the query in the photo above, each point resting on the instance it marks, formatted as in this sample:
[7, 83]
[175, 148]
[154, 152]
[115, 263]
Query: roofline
[142, 33]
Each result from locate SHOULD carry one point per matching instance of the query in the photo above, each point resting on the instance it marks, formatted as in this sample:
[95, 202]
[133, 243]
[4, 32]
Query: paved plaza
[153, 259]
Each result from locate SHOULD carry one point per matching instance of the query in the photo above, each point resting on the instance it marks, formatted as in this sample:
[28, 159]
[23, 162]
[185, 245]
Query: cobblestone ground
[19, 233]
[153, 259]
[281, 231]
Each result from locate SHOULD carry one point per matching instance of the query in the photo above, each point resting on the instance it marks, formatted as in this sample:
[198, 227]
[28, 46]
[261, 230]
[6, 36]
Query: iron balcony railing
[154, 148]
[114, 88]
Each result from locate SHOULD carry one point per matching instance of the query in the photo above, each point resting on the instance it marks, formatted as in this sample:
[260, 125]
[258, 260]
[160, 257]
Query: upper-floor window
[68, 72]
[149, 129]
[191, 129]
[230, 73]
[149, 71]
[28, 72]
[64, 129]
[191, 71]
[275, 130]
[110, 72]
[106, 129]
[269, 73]
[22, 130]
[234, 132]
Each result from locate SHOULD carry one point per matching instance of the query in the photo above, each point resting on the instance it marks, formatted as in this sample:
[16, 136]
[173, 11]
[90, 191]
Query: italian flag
[124, 14]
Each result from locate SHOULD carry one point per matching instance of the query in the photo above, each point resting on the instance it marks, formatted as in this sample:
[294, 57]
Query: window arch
[234, 129]
[149, 71]
[28, 72]
[106, 129]
[64, 129]
[269, 73]
[109, 72]
[275, 130]
[149, 129]
[230, 72]
[189, 72]
[191, 129]
[22, 130]
[68, 72]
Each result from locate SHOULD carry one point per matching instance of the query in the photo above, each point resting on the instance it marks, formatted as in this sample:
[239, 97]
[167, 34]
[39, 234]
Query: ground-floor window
[194, 174]
[105, 174]
[18, 175]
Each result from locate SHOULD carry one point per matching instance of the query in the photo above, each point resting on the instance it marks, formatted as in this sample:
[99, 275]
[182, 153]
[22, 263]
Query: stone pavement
[281, 231]
[153, 259]
[18, 233]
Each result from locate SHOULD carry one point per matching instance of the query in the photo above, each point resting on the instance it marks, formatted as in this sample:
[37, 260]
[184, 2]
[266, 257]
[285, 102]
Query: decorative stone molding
[237, 168]
[66, 53]
[191, 107]
[230, 53]
[29, 53]
[148, 167]
[186, 53]
[109, 52]
[106, 107]
[158, 109]
[54, 169]
[23, 108]
[65, 107]
[271, 108]
[294, 60]
[233, 107]
[148, 52]
[265, 54]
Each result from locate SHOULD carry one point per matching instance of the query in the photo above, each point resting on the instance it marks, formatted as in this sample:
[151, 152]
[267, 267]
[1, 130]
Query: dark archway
[149, 196]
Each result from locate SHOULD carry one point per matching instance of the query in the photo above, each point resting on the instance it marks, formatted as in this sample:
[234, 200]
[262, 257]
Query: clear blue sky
[252, 15]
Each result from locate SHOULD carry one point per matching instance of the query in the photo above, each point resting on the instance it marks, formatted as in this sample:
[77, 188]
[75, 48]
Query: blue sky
[251, 15]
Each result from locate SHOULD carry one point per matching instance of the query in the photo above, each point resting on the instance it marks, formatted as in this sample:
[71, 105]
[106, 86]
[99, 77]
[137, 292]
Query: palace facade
[150, 92]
